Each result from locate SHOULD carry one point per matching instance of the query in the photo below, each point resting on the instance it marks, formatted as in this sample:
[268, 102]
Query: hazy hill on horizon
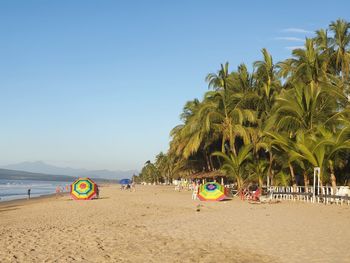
[7, 174]
[44, 168]
[21, 175]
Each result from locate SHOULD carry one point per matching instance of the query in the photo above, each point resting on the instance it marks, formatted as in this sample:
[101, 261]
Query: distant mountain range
[21, 175]
[44, 168]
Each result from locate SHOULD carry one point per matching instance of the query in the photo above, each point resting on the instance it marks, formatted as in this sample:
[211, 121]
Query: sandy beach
[156, 224]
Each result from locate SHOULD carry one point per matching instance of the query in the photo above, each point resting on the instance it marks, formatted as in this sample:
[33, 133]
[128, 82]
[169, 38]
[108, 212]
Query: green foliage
[235, 165]
[284, 117]
[282, 179]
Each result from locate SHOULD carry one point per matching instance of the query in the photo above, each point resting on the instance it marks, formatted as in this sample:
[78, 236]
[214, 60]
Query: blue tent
[125, 181]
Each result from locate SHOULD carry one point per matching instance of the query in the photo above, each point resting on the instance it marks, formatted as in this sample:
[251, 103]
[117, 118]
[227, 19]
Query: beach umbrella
[125, 181]
[211, 191]
[83, 189]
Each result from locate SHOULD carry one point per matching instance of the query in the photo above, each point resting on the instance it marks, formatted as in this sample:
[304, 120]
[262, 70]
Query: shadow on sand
[9, 208]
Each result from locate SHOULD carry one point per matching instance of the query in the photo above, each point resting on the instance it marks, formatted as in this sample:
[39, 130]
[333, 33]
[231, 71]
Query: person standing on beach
[29, 193]
[58, 191]
[97, 192]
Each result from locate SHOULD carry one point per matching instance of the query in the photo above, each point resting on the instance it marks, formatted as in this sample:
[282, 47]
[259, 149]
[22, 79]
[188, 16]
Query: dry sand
[156, 224]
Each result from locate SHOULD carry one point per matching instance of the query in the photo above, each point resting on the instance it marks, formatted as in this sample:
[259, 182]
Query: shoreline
[53, 194]
[24, 201]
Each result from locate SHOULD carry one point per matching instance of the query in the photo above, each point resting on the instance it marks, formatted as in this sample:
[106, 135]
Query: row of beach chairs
[324, 195]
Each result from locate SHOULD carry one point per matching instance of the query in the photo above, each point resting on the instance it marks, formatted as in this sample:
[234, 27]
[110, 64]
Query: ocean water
[18, 189]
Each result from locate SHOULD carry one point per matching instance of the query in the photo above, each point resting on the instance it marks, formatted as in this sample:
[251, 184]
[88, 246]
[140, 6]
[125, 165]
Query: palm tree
[150, 173]
[221, 80]
[224, 107]
[324, 45]
[188, 136]
[258, 171]
[304, 107]
[336, 144]
[323, 41]
[267, 87]
[197, 134]
[267, 82]
[340, 28]
[234, 165]
[284, 146]
[162, 164]
[321, 148]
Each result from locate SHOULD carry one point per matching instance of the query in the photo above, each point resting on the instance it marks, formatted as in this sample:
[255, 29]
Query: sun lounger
[333, 198]
[290, 195]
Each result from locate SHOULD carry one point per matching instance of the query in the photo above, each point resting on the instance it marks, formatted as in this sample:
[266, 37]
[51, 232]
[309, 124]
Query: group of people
[187, 185]
[251, 192]
[130, 186]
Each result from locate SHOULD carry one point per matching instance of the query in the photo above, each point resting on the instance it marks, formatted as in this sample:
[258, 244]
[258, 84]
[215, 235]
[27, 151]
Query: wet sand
[157, 224]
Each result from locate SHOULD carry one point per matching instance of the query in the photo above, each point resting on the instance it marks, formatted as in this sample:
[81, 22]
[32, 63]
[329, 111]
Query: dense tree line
[277, 122]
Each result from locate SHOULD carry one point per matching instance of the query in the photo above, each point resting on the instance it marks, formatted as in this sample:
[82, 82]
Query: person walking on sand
[29, 193]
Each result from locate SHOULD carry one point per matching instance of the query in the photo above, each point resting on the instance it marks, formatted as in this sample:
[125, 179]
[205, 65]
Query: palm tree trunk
[223, 145]
[211, 162]
[270, 167]
[207, 161]
[293, 176]
[306, 181]
[230, 135]
[272, 178]
[261, 183]
[232, 141]
[333, 178]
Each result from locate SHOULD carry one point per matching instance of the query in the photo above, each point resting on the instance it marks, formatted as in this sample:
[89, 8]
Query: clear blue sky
[99, 84]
